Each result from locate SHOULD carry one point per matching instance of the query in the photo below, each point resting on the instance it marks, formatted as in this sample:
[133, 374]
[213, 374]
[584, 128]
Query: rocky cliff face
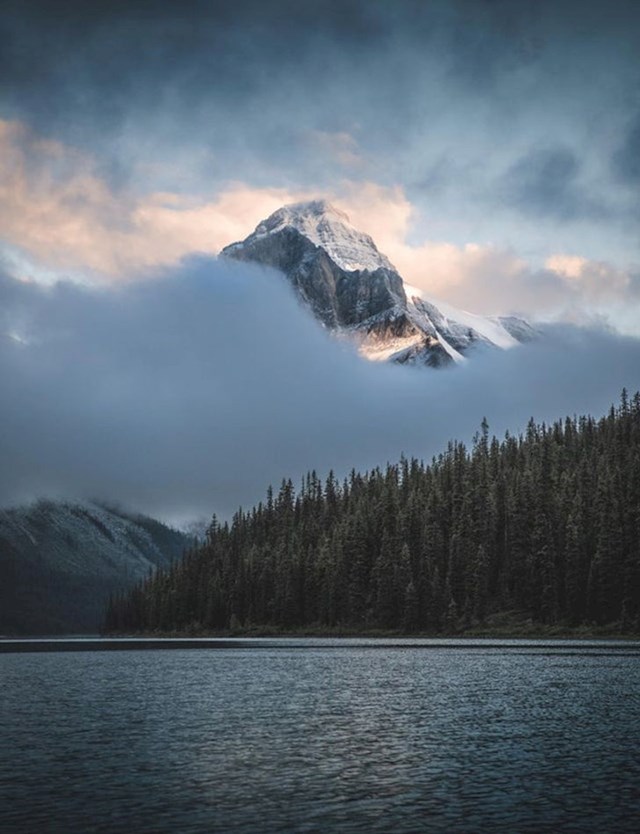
[337, 297]
[355, 291]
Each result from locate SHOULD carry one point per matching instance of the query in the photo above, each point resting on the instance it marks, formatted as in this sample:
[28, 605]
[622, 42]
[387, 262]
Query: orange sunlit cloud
[57, 209]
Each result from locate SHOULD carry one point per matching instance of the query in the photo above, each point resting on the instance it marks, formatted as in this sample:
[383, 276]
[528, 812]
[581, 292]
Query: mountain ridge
[354, 290]
[61, 560]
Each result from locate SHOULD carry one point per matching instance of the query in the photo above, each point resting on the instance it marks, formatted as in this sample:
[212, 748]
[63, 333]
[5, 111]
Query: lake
[321, 736]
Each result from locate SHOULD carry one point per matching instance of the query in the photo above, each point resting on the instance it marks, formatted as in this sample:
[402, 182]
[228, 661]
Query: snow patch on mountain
[330, 229]
[451, 319]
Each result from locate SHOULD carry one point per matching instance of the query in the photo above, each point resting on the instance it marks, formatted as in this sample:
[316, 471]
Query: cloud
[439, 99]
[232, 85]
[626, 159]
[488, 279]
[597, 281]
[135, 134]
[339, 146]
[545, 183]
[55, 206]
[57, 209]
[189, 393]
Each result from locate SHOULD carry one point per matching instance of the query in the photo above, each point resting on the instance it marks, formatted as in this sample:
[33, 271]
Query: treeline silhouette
[546, 524]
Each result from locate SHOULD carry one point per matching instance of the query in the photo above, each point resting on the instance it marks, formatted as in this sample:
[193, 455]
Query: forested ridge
[546, 524]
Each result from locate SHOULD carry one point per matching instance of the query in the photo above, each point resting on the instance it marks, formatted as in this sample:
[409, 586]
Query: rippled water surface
[320, 738]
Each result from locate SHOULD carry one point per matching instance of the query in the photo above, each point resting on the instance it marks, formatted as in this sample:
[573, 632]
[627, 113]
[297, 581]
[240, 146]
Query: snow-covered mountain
[59, 562]
[356, 292]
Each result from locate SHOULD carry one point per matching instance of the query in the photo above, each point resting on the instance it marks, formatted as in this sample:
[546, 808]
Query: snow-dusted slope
[356, 292]
[458, 330]
[59, 562]
[327, 227]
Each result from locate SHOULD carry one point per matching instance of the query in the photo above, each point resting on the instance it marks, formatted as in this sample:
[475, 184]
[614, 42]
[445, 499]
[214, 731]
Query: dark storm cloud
[192, 392]
[626, 159]
[546, 183]
[101, 59]
[244, 80]
[488, 39]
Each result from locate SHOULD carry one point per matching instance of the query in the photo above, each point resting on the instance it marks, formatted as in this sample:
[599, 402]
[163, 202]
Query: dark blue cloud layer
[235, 86]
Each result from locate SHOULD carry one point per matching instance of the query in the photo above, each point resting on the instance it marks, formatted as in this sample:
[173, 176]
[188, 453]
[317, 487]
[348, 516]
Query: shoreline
[523, 632]
[595, 643]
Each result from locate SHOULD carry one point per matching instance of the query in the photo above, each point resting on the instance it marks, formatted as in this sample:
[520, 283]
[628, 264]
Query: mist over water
[189, 393]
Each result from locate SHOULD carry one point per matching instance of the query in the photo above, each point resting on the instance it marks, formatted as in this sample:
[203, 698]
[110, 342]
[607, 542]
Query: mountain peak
[310, 210]
[354, 290]
[328, 228]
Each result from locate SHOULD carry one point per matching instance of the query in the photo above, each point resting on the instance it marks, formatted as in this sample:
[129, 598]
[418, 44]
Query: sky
[490, 147]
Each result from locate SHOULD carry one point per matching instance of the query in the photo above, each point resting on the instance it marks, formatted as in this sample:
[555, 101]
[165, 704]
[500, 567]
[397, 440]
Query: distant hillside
[546, 525]
[59, 563]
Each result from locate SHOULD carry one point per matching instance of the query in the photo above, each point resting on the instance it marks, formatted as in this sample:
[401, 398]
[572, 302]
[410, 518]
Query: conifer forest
[546, 524]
